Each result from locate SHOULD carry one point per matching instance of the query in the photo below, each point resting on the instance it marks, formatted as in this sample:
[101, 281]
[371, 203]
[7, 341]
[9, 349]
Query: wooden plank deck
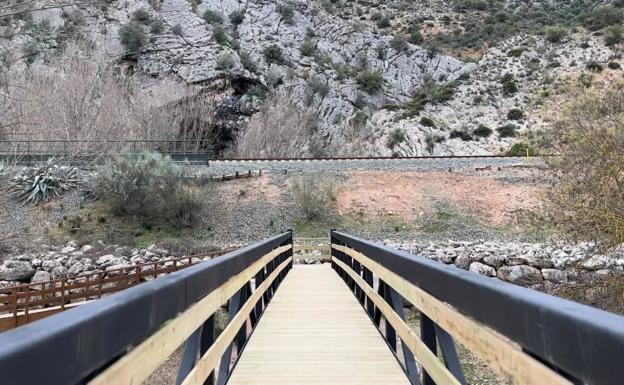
[314, 331]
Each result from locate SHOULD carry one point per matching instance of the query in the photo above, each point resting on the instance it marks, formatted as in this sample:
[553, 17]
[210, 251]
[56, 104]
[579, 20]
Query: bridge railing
[123, 338]
[526, 336]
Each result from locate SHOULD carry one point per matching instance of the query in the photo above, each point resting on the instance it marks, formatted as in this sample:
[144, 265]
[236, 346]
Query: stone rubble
[72, 260]
[526, 264]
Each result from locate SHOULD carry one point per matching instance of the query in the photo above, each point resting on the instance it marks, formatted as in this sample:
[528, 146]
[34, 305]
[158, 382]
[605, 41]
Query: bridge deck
[315, 332]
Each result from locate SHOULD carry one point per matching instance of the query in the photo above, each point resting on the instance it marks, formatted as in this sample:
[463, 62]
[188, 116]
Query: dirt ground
[409, 195]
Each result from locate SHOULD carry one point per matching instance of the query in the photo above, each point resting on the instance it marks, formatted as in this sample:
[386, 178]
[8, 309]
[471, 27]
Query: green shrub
[426, 121]
[614, 35]
[370, 81]
[614, 65]
[141, 15]
[510, 87]
[396, 137]
[463, 135]
[594, 66]
[316, 85]
[515, 114]
[416, 37]
[132, 37]
[237, 17]
[286, 12]
[308, 48]
[148, 187]
[430, 92]
[482, 131]
[555, 34]
[157, 26]
[602, 17]
[212, 17]
[507, 131]
[521, 149]
[273, 54]
[225, 61]
[246, 61]
[177, 30]
[219, 35]
[399, 44]
[383, 22]
[314, 196]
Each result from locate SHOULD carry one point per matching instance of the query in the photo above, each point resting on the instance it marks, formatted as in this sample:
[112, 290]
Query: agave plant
[40, 184]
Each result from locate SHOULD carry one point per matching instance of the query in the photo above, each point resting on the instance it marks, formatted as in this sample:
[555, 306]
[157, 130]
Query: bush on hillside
[213, 17]
[132, 37]
[614, 35]
[507, 131]
[427, 122]
[141, 15]
[237, 17]
[555, 34]
[286, 12]
[522, 149]
[416, 37]
[273, 54]
[594, 66]
[147, 187]
[463, 135]
[314, 197]
[515, 114]
[396, 137]
[430, 92]
[482, 131]
[308, 48]
[370, 81]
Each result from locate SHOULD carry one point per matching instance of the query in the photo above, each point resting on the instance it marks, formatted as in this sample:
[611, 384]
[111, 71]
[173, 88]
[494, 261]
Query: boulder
[14, 270]
[541, 263]
[105, 259]
[75, 269]
[597, 262]
[514, 260]
[41, 276]
[554, 275]
[494, 260]
[59, 272]
[49, 265]
[482, 269]
[520, 274]
[463, 262]
[87, 249]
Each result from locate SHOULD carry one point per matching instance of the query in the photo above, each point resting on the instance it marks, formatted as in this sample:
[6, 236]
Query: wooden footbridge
[341, 322]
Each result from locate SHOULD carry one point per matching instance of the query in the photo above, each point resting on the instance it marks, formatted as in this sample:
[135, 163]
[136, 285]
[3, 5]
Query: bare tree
[352, 139]
[588, 198]
[80, 96]
[279, 130]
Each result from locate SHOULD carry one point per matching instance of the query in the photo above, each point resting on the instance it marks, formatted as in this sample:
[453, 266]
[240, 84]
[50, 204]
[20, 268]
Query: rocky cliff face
[340, 62]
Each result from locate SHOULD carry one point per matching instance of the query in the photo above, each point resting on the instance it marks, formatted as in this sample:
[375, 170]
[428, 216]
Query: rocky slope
[351, 65]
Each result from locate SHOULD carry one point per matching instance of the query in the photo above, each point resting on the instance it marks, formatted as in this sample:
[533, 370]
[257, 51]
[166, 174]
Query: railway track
[207, 160]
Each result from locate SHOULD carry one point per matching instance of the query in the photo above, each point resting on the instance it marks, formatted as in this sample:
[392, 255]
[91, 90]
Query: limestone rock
[16, 270]
[482, 269]
[520, 274]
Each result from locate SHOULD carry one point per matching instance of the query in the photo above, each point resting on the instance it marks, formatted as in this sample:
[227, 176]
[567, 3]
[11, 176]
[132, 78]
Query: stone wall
[528, 264]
